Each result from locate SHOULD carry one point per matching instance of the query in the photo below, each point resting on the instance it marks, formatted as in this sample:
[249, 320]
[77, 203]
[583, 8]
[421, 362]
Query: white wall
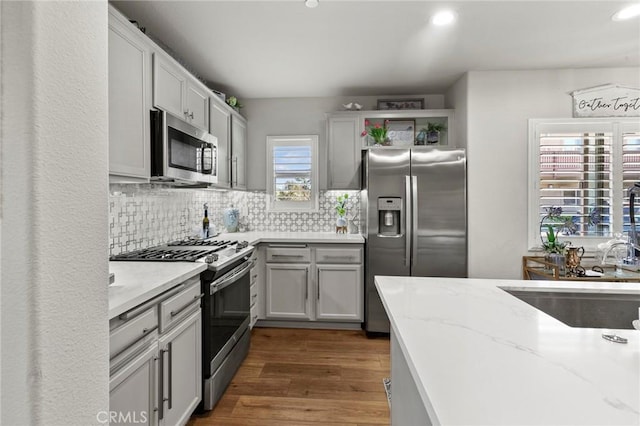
[499, 105]
[299, 116]
[54, 359]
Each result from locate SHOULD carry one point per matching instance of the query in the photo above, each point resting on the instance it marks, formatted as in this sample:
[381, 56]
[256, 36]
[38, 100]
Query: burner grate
[219, 244]
[163, 254]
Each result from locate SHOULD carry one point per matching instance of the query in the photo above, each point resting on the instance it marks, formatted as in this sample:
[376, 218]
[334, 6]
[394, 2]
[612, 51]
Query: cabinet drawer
[181, 305]
[339, 255]
[254, 315]
[254, 275]
[132, 331]
[288, 255]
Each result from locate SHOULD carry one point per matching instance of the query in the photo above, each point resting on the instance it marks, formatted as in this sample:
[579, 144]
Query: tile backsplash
[146, 215]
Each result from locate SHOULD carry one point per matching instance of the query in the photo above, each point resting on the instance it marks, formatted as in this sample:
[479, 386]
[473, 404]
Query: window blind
[575, 175]
[292, 172]
[630, 173]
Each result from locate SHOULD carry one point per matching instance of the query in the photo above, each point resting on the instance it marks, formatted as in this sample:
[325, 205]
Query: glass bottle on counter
[205, 222]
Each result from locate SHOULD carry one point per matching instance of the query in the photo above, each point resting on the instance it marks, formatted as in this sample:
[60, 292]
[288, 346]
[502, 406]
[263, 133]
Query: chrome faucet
[629, 259]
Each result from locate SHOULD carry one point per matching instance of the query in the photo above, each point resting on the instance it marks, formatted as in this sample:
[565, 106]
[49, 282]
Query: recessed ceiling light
[444, 17]
[311, 3]
[627, 13]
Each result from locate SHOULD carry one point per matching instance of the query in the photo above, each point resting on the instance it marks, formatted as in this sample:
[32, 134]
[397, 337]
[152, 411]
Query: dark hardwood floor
[304, 378]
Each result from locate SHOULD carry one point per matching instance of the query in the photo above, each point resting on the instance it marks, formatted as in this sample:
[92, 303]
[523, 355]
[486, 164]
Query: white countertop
[256, 237]
[479, 355]
[137, 282]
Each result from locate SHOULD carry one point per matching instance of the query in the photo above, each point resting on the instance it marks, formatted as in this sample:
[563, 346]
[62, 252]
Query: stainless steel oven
[225, 326]
[180, 152]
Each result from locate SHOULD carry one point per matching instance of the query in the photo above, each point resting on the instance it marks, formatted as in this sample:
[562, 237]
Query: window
[292, 172]
[579, 173]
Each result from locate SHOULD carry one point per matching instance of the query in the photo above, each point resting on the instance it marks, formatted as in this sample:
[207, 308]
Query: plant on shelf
[433, 132]
[233, 102]
[376, 131]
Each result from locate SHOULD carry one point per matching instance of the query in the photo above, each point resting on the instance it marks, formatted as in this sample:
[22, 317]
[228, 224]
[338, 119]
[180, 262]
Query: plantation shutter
[292, 176]
[630, 172]
[575, 175]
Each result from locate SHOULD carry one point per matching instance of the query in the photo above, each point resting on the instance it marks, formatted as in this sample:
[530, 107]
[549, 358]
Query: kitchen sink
[589, 310]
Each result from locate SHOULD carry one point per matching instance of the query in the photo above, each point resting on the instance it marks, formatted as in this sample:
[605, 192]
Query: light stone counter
[137, 282]
[478, 355]
[256, 237]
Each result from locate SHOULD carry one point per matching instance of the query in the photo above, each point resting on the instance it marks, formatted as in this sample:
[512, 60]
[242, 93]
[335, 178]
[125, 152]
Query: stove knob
[210, 258]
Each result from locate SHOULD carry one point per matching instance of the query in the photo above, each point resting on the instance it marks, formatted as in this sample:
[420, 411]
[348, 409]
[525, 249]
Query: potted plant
[341, 210]
[433, 132]
[554, 249]
[376, 131]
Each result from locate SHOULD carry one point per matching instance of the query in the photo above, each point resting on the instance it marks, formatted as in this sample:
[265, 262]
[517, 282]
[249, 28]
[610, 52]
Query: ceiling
[266, 49]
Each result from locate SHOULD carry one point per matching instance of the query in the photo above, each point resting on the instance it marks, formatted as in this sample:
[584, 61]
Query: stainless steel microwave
[180, 152]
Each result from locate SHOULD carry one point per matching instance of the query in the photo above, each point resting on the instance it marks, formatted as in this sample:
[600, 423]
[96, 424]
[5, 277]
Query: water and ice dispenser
[389, 214]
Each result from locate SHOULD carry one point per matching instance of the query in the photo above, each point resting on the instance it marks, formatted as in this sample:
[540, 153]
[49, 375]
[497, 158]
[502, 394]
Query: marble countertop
[256, 237]
[137, 282]
[479, 355]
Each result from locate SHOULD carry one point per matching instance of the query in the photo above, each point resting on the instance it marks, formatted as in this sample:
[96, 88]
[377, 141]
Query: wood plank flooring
[300, 377]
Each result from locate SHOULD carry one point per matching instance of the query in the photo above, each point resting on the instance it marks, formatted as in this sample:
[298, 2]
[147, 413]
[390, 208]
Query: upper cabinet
[429, 127]
[129, 100]
[238, 152]
[220, 127]
[178, 93]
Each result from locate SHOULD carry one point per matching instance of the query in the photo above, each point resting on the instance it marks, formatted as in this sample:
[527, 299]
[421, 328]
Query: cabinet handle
[234, 169]
[254, 296]
[189, 114]
[318, 283]
[155, 409]
[306, 283]
[174, 313]
[255, 318]
[287, 255]
[142, 308]
[169, 373]
[288, 245]
[146, 331]
[161, 386]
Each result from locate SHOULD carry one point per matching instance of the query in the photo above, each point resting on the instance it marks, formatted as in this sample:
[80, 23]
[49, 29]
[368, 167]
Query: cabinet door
[345, 146]
[181, 353]
[129, 100]
[238, 150]
[220, 127]
[169, 85]
[197, 106]
[133, 390]
[287, 291]
[339, 292]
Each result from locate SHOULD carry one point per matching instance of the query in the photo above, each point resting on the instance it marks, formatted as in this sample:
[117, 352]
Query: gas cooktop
[216, 253]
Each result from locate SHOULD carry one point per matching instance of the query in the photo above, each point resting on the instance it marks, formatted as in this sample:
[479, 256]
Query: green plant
[552, 245]
[376, 131]
[435, 127]
[234, 102]
[341, 204]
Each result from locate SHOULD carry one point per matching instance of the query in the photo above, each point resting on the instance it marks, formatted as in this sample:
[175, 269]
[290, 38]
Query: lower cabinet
[317, 282]
[288, 291]
[132, 391]
[339, 295]
[156, 378]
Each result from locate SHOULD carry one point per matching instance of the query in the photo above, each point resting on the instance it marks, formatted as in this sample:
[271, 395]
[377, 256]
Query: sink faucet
[629, 259]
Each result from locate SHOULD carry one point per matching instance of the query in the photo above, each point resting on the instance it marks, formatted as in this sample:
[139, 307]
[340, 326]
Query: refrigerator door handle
[414, 219]
[407, 221]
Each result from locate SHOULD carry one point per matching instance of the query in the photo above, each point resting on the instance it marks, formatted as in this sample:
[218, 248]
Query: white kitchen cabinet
[181, 363]
[178, 93]
[238, 152]
[344, 151]
[287, 295]
[156, 379]
[129, 101]
[133, 390]
[257, 285]
[220, 127]
[339, 292]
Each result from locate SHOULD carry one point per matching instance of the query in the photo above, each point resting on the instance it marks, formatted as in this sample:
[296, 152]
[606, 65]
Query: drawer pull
[287, 255]
[146, 331]
[255, 318]
[288, 245]
[328, 256]
[174, 313]
[150, 303]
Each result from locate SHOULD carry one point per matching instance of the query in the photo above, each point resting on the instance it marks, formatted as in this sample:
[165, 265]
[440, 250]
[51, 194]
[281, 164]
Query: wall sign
[610, 100]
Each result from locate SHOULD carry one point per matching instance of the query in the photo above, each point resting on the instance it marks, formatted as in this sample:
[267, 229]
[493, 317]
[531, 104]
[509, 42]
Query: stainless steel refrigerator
[414, 202]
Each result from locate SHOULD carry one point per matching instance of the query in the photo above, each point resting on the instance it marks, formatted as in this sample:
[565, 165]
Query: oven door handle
[230, 278]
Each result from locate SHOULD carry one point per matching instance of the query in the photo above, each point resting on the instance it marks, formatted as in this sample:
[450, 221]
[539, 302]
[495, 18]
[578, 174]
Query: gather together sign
[609, 100]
